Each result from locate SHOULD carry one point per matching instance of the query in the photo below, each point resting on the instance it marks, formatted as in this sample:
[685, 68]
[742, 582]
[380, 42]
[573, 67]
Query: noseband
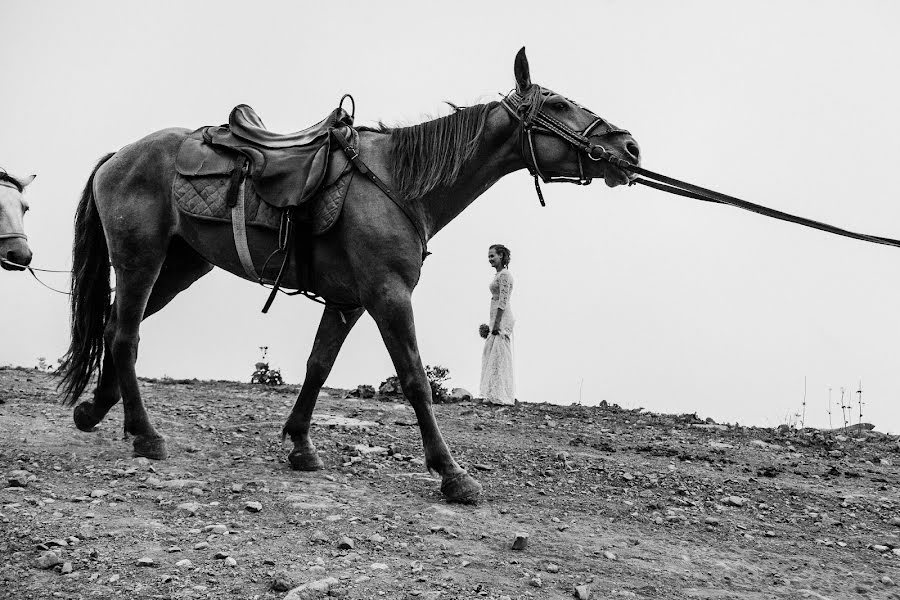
[527, 110]
[7, 180]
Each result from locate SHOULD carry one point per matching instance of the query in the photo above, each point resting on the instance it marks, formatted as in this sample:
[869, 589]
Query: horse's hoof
[84, 418]
[461, 488]
[150, 447]
[305, 461]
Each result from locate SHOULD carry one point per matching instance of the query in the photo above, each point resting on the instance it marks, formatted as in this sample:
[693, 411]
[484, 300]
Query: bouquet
[484, 330]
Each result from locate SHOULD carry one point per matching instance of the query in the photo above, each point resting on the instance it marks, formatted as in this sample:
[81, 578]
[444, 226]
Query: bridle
[526, 108]
[7, 180]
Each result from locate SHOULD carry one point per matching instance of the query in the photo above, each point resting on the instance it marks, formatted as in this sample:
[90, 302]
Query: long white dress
[497, 381]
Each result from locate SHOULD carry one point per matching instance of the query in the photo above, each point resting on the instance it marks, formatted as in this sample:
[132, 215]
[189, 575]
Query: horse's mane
[431, 154]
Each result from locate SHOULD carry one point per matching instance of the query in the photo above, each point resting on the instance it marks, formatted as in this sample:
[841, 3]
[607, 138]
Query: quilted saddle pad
[203, 197]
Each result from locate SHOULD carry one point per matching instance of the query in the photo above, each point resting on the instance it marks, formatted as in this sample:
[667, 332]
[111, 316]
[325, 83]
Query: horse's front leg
[333, 330]
[392, 311]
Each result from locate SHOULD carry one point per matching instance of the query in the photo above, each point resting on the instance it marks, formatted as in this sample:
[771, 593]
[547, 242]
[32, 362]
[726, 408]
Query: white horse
[15, 254]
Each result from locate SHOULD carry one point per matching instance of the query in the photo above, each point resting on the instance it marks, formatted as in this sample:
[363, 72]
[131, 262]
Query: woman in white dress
[497, 381]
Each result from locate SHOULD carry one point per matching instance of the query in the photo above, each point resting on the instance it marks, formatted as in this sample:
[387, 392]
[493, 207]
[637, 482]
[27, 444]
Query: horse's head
[15, 254]
[563, 141]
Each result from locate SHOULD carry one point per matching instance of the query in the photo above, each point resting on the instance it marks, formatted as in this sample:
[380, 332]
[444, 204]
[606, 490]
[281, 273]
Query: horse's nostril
[633, 149]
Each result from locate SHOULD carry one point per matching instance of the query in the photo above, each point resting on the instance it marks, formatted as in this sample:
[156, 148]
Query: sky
[627, 295]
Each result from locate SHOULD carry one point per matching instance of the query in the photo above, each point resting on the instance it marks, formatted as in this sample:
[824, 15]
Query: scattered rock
[145, 561]
[67, 568]
[184, 564]
[521, 541]
[582, 592]
[189, 508]
[346, 543]
[48, 560]
[253, 506]
[281, 583]
[610, 555]
[734, 501]
[459, 394]
[230, 561]
[18, 478]
[312, 590]
[99, 493]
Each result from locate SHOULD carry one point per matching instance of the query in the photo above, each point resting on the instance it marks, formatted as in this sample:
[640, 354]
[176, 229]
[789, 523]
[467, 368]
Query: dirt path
[622, 503]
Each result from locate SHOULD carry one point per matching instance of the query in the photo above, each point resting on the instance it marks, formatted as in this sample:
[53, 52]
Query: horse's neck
[497, 156]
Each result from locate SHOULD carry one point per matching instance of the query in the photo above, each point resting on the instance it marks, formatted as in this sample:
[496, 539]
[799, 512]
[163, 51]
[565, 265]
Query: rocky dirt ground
[615, 503]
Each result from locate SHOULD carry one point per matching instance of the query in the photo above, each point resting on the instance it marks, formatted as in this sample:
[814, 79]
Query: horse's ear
[26, 180]
[522, 72]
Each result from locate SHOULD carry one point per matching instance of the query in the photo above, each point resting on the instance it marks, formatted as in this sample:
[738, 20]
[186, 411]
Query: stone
[220, 529]
[230, 561]
[220, 555]
[18, 478]
[552, 568]
[378, 566]
[67, 568]
[346, 543]
[99, 493]
[459, 394]
[237, 488]
[253, 506]
[145, 561]
[610, 555]
[734, 501]
[582, 592]
[521, 541]
[281, 583]
[887, 580]
[201, 545]
[318, 537]
[894, 522]
[188, 508]
[312, 590]
[713, 521]
[48, 560]
[184, 564]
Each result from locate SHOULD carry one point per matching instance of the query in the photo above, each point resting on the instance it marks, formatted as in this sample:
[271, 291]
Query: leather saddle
[287, 169]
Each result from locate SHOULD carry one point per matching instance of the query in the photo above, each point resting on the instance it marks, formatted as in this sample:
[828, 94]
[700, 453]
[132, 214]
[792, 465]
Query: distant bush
[437, 376]
[266, 376]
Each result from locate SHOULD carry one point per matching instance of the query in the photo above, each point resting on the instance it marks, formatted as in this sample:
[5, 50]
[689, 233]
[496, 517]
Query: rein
[33, 274]
[527, 109]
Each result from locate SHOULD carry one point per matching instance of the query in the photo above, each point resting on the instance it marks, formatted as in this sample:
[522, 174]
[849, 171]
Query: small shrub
[266, 376]
[437, 377]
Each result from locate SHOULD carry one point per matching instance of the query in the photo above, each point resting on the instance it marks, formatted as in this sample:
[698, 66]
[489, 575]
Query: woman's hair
[503, 251]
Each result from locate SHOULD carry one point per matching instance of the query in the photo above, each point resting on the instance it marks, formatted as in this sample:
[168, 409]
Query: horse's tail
[90, 299]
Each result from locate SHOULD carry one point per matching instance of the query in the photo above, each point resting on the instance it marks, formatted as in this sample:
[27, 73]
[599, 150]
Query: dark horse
[371, 259]
[15, 254]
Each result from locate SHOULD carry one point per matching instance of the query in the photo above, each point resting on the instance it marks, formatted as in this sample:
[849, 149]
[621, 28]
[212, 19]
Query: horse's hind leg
[182, 267]
[333, 330]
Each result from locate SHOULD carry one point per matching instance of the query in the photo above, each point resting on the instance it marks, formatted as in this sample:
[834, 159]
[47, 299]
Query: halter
[7, 180]
[527, 110]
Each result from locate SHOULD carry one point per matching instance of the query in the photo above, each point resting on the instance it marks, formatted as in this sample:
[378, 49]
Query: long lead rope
[33, 274]
[689, 190]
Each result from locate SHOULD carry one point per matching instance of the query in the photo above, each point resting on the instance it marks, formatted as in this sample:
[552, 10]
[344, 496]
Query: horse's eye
[560, 106]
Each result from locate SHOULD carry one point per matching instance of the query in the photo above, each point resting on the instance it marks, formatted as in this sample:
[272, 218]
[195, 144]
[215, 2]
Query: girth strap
[239, 226]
